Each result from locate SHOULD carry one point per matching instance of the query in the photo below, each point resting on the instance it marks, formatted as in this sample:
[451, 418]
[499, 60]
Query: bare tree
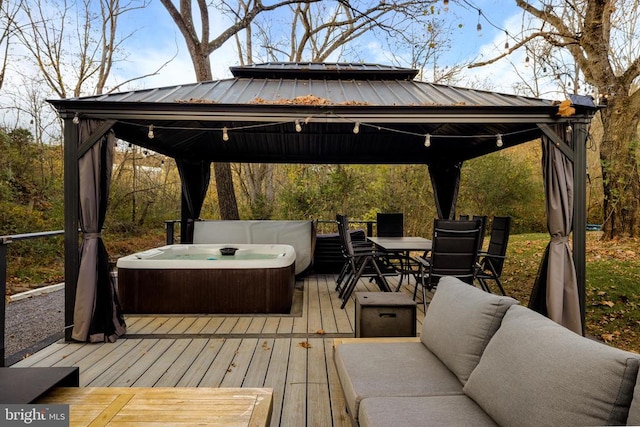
[8, 12]
[74, 44]
[602, 39]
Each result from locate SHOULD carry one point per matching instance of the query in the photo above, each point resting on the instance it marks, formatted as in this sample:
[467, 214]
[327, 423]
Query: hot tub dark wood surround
[206, 291]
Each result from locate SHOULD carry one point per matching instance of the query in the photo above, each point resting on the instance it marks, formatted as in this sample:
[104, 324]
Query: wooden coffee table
[106, 406]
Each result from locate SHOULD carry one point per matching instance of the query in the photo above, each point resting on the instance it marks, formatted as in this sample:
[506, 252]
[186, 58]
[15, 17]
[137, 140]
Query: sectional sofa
[482, 360]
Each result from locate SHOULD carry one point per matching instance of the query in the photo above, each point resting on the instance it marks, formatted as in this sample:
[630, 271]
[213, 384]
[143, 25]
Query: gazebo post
[71, 207]
[578, 140]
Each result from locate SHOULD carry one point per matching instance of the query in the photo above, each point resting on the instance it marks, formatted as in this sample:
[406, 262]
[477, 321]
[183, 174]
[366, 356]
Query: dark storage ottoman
[385, 314]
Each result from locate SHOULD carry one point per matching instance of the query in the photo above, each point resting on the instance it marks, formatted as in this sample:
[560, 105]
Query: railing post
[170, 231]
[3, 283]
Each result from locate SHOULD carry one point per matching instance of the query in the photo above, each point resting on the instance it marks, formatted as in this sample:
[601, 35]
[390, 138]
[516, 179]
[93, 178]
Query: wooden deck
[292, 354]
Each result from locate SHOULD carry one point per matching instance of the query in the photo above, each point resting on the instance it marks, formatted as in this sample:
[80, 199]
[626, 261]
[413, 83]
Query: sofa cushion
[459, 323]
[419, 411]
[373, 369]
[634, 410]
[536, 372]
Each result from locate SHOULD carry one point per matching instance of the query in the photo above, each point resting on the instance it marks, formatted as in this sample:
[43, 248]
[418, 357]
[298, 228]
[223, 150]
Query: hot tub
[198, 279]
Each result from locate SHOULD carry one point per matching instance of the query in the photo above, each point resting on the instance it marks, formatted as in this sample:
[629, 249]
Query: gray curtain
[555, 292]
[97, 316]
[195, 176]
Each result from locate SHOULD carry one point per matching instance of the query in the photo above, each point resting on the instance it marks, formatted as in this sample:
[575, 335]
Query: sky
[157, 40]
[152, 39]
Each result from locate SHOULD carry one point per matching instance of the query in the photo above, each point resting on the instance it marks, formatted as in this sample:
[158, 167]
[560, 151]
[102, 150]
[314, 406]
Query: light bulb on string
[527, 61]
[446, 5]
[499, 142]
[76, 119]
[479, 26]
[356, 128]
[506, 42]
[225, 134]
[150, 135]
[427, 140]
[298, 126]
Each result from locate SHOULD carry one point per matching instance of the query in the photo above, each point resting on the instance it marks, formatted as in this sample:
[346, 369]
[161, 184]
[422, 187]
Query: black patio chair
[483, 226]
[361, 261]
[391, 225]
[454, 253]
[359, 246]
[491, 262]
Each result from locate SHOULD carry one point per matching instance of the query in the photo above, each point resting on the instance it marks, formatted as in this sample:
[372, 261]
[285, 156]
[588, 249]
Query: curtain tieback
[88, 236]
[559, 239]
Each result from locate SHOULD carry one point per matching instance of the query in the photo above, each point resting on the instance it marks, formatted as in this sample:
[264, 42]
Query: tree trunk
[227, 203]
[619, 161]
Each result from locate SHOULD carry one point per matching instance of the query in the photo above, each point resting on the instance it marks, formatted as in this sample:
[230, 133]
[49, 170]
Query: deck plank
[130, 354]
[212, 325]
[222, 363]
[294, 407]
[339, 415]
[240, 363]
[182, 363]
[201, 363]
[182, 326]
[300, 322]
[197, 326]
[277, 376]
[152, 326]
[167, 326]
[318, 401]
[256, 326]
[162, 364]
[257, 372]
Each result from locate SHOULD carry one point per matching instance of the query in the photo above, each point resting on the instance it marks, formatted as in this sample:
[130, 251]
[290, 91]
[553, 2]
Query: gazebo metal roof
[261, 105]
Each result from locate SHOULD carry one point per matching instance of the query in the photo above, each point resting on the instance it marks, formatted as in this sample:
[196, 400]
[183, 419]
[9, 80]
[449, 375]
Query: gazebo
[317, 113]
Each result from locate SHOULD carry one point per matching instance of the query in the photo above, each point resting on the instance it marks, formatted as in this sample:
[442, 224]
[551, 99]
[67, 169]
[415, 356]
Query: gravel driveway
[32, 324]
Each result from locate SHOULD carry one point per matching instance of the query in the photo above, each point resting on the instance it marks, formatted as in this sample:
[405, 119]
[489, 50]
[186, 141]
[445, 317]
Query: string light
[446, 5]
[479, 26]
[298, 126]
[356, 129]
[527, 61]
[506, 43]
[76, 119]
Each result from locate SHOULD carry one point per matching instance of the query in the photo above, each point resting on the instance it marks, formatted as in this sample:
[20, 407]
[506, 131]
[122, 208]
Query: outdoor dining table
[404, 246]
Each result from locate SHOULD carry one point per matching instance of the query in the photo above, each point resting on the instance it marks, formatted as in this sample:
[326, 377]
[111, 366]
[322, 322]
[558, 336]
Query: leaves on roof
[195, 101]
[304, 100]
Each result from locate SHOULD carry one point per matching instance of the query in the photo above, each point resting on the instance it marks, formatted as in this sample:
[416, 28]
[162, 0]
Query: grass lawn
[613, 284]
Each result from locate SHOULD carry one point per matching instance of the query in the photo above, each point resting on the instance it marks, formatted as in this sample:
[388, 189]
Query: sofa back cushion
[536, 372]
[634, 410]
[459, 323]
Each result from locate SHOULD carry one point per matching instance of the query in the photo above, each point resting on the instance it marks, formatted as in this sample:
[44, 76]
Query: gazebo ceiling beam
[427, 117]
